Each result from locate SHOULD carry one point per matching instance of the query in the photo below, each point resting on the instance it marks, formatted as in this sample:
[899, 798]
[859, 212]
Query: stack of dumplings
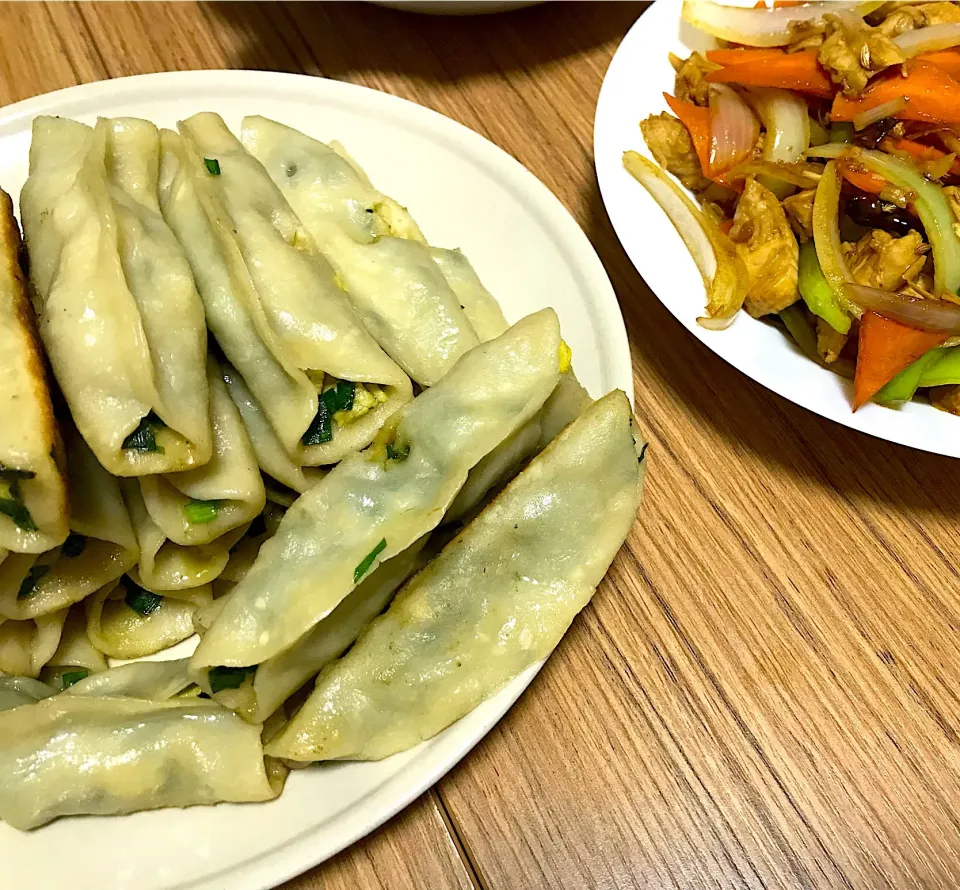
[246, 400]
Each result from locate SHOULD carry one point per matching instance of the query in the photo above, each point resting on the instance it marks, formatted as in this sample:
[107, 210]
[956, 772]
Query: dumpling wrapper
[155, 680]
[271, 455]
[16, 691]
[75, 754]
[479, 305]
[229, 488]
[106, 285]
[371, 507]
[165, 565]
[30, 449]
[101, 546]
[230, 298]
[496, 600]
[399, 292]
[279, 677]
[296, 305]
[26, 646]
[75, 653]
[119, 631]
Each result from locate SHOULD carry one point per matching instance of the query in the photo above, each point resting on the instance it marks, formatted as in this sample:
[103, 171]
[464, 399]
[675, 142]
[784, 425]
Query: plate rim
[296, 855]
[896, 426]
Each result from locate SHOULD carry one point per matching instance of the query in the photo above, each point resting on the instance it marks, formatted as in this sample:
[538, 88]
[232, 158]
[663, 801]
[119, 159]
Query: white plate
[465, 192]
[632, 90]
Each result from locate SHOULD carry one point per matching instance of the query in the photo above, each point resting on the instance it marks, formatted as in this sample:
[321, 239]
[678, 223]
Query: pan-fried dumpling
[376, 504]
[118, 311]
[26, 646]
[165, 565]
[101, 755]
[271, 455]
[33, 499]
[76, 657]
[198, 506]
[401, 294]
[292, 300]
[101, 545]
[495, 601]
[257, 695]
[479, 305]
[126, 620]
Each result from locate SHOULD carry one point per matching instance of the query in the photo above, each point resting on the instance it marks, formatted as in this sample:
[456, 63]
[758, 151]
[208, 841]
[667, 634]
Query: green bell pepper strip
[905, 384]
[945, 370]
[816, 291]
[841, 133]
[795, 321]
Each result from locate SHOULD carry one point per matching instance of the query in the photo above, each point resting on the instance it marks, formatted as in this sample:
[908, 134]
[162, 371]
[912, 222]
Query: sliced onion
[805, 176]
[929, 39]
[830, 150]
[762, 27]
[787, 122]
[928, 315]
[724, 275]
[734, 129]
[826, 237]
[886, 109]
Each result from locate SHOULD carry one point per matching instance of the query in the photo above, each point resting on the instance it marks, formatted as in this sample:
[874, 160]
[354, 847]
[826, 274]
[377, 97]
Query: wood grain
[764, 691]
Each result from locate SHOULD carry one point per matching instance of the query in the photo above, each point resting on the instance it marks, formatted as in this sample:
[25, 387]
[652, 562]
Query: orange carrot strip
[932, 95]
[697, 122]
[885, 348]
[788, 71]
[918, 150]
[741, 56]
[859, 178]
[947, 60]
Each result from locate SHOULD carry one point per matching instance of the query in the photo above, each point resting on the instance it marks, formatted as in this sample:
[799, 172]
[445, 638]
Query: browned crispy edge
[11, 272]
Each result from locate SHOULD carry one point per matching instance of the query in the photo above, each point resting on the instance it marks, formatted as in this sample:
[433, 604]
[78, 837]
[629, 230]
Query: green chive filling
[73, 546]
[201, 512]
[142, 601]
[228, 677]
[337, 398]
[212, 165]
[71, 677]
[398, 452]
[367, 561]
[29, 584]
[144, 437]
[11, 499]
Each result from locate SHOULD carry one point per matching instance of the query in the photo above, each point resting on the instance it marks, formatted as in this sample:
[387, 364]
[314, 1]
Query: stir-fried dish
[821, 142]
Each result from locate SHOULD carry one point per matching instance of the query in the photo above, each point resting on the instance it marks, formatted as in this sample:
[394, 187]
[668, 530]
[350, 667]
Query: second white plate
[464, 192]
[633, 89]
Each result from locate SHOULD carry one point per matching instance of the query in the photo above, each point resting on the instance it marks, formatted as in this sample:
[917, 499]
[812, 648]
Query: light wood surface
[764, 691]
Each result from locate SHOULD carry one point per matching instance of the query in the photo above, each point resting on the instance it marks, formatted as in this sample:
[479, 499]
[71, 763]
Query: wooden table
[763, 692]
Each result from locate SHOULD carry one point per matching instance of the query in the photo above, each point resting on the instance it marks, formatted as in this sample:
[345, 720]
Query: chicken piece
[768, 248]
[830, 341]
[909, 16]
[882, 260]
[853, 52]
[672, 148]
[799, 208]
[946, 398]
[691, 84]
